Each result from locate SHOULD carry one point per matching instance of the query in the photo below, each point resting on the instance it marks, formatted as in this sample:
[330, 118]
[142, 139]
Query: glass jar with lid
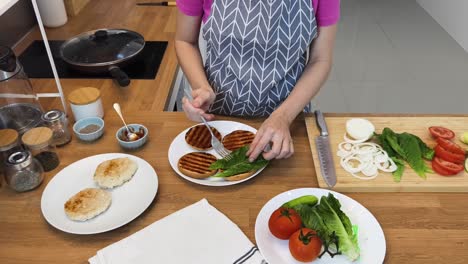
[58, 122]
[9, 144]
[23, 172]
[38, 140]
[19, 106]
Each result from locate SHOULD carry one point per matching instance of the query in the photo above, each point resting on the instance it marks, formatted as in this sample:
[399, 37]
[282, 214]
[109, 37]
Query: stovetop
[36, 63]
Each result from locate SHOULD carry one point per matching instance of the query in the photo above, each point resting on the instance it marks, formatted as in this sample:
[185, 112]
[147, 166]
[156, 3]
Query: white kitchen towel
[196, 234]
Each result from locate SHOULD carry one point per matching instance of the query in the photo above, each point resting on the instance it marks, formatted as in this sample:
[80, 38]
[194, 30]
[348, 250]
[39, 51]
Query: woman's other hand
[202, 99]
[274, 131]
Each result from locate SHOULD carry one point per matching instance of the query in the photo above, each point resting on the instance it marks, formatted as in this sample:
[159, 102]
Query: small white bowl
[82, 123]
[132, 144]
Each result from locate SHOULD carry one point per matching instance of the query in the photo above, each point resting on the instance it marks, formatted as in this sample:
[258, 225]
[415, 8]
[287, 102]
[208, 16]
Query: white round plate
[179, 148]
[128, 200]
[370, 235]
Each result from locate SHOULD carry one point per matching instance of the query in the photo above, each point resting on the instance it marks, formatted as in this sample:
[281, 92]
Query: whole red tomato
[305, 245]
[283, 222]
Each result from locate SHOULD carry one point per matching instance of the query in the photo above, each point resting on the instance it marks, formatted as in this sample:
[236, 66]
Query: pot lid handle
[7, 59]
[100, 35]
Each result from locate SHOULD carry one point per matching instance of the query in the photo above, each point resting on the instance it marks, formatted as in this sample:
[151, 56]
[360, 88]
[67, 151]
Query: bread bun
[237, 139]
[240, 176]
[87, 204]
[199, 137]
[196, 165]
[115, 172]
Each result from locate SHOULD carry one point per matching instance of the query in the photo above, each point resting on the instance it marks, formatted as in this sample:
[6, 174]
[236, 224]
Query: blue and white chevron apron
[256, 52]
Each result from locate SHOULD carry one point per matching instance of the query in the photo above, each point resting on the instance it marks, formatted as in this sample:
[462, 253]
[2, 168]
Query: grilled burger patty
[196, 165]
[237, 139]
[199, 137]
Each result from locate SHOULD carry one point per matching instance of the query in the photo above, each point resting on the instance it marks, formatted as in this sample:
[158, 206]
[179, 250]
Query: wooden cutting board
[410, 181]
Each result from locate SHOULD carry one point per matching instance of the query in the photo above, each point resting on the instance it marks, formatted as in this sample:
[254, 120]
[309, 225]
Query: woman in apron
[264, 58]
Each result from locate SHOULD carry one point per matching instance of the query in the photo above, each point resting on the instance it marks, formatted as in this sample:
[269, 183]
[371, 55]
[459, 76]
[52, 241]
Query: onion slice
[364, 160]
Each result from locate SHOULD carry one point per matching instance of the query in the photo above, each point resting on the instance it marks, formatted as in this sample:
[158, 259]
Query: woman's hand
[274, 130]
[202, 99]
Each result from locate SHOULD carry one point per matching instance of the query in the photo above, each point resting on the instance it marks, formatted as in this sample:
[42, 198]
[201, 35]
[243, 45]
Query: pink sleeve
[190, 7]
[328, 12]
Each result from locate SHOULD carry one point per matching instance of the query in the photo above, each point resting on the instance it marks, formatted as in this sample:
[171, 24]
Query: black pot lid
[102, 47]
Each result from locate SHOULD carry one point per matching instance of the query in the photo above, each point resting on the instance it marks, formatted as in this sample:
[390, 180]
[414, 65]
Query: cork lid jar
[37, 138]
[8, 139]
[84, 96]
[86, 102]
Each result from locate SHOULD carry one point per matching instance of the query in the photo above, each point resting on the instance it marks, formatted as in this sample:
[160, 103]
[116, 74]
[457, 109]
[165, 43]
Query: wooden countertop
[419, 227]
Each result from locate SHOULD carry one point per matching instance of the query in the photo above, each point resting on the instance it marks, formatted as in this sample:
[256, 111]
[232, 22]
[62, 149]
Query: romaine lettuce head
[327, 218]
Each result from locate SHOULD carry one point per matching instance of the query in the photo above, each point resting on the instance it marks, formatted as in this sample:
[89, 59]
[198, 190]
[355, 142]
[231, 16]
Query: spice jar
[23, 172]
[8, 144]
[38, 140]
[58, 122]
[86, 102]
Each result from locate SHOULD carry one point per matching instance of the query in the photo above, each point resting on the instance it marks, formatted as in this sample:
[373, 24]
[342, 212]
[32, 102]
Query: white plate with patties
[179, 147]
[128, 200]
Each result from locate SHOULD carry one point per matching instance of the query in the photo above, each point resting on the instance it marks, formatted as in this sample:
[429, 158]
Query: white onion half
[359, 128]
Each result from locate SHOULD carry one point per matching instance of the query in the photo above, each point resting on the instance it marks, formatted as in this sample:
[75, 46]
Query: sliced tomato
[448, 166]
[448, 156]
[440, 170]
[441, 132]
[450, 146]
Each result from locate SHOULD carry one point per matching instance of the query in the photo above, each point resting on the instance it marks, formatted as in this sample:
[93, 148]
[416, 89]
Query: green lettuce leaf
[412, 153]
[328, 220]
[239, 163]
[400, 169]
[406, 147]
[427, 152]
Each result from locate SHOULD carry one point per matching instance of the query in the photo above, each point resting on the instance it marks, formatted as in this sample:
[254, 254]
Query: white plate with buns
[70, 193]
[179, 147]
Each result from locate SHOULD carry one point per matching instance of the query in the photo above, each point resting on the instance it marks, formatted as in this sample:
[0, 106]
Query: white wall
[452, 15]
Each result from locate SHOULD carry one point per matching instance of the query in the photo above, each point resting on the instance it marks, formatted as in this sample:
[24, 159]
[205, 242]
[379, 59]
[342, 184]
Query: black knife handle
[321, 123]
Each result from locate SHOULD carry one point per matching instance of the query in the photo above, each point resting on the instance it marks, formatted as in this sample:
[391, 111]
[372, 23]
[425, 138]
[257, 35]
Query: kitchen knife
[170, 3]
[324, 151]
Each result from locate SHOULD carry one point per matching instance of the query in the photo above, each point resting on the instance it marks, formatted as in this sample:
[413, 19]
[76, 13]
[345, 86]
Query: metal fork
[217, 145]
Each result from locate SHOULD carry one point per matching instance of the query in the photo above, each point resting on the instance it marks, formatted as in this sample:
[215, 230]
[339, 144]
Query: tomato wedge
[450, 146]
[448, 156]
[447, 165]
[440, 170]
[441, 132]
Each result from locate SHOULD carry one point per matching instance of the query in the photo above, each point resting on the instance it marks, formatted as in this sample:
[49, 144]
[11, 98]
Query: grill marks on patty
[196, 164]
[237, 139]
[199, 137]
